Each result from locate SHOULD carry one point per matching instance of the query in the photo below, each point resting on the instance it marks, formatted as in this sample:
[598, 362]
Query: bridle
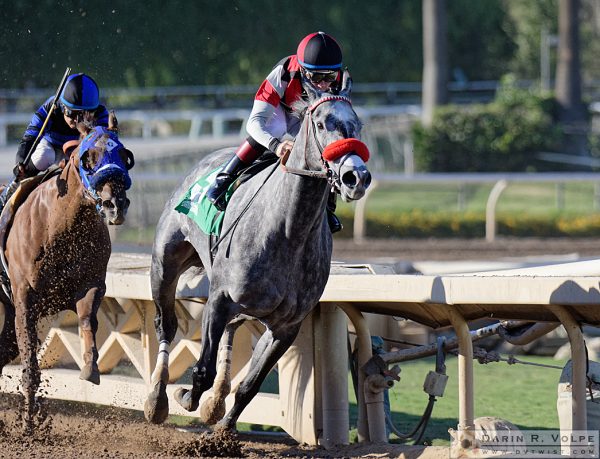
[108, 163]
[327, 172]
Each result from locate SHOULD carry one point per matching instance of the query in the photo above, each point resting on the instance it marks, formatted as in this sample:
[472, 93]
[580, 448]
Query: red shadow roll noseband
[341, 147]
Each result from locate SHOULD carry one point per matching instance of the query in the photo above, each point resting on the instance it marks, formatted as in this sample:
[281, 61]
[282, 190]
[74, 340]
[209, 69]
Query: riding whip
[52, 107]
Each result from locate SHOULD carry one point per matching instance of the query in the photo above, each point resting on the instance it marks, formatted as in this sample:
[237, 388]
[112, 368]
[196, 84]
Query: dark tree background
[152, 42]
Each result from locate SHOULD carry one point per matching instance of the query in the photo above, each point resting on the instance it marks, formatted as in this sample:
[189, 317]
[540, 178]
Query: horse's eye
[86, 162]
[320, 125]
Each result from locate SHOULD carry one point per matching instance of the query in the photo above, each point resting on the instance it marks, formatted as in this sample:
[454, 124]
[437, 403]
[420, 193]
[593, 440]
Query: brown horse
[58, 248]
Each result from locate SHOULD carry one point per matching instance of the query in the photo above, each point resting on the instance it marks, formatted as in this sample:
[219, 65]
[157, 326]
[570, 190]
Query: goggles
[73, 114]
[318, 77]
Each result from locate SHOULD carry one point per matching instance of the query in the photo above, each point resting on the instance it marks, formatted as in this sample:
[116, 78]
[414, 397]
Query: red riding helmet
[319, 51]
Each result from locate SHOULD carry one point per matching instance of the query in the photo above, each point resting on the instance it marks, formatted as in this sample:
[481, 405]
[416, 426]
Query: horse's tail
[6, 300]
[9, 348]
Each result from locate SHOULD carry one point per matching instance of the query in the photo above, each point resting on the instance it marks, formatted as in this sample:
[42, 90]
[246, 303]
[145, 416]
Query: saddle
[196, 206]
[26, 186]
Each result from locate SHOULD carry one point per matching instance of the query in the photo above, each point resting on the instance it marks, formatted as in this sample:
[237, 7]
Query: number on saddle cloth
[201, 211]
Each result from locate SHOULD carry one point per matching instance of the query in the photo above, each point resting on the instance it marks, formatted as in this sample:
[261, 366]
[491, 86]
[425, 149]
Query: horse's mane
[299, 107]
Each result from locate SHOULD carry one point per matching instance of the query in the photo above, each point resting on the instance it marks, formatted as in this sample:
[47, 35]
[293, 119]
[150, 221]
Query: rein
[214, 248]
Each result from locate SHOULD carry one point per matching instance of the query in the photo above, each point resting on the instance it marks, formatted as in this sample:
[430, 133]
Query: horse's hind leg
[87, 308]
[169, 261]
[9, 350]
[269, 349]
[213, 409]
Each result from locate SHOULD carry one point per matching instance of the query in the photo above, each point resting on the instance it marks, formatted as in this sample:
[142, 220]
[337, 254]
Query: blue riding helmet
[111, 162]
[80, 93]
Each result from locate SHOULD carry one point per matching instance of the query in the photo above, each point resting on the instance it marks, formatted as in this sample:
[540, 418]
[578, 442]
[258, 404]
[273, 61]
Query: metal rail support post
[371, 420]
[466, 434]
[579, 364]
[334, 376]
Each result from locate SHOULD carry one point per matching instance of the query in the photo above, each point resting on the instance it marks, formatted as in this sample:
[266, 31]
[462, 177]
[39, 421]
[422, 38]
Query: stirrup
[334, 222]
[216, 195]
[219, 202]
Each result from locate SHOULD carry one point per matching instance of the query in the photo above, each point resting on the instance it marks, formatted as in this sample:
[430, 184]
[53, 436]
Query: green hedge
[418, 224]
[503, 136]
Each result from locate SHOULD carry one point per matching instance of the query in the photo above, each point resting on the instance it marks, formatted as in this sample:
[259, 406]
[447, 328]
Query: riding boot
[244, 156]
[216, 192]
[335, 224]
[7, 193]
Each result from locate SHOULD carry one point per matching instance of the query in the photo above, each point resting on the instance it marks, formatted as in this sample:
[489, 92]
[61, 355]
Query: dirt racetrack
[83, 431]
[89, 432]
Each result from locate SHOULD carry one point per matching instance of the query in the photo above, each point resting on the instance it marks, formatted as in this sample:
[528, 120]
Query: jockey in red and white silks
[270, 119]
[319, 59]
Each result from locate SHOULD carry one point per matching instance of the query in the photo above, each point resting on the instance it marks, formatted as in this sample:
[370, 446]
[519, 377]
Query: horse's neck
[70, 174]
[295, 201]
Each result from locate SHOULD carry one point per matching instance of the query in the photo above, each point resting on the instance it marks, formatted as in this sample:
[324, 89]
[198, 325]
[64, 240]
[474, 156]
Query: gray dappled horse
[275, 263]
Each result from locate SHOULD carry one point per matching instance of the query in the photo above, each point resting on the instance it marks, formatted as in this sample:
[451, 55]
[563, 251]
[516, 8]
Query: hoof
[184, 398]
[156, 407]
[90, 374]
[212, 411]
[225, 425]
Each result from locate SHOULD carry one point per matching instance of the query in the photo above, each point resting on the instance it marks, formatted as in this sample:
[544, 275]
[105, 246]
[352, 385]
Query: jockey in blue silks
[79, 96]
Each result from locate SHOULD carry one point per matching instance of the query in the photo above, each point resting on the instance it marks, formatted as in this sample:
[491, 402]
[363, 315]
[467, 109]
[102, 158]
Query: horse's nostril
[349, 179]
[367, 179]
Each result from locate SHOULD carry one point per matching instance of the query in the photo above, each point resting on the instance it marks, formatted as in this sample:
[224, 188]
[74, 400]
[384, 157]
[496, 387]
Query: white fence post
[360, 218]
[490, 210]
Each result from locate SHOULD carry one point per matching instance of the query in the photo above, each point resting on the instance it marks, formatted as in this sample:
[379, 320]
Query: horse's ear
[113, 124]
[346, 84]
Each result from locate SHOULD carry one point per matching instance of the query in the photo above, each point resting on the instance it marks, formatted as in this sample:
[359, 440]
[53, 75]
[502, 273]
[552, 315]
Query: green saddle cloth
[199, 209]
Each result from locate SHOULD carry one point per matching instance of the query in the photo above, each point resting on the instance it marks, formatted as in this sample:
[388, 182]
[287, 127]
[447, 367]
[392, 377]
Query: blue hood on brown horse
[111, 163]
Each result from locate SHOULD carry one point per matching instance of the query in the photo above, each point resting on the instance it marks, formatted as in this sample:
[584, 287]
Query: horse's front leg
[217, 313]
[269, 349]
[87, 309]
[26, 330]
